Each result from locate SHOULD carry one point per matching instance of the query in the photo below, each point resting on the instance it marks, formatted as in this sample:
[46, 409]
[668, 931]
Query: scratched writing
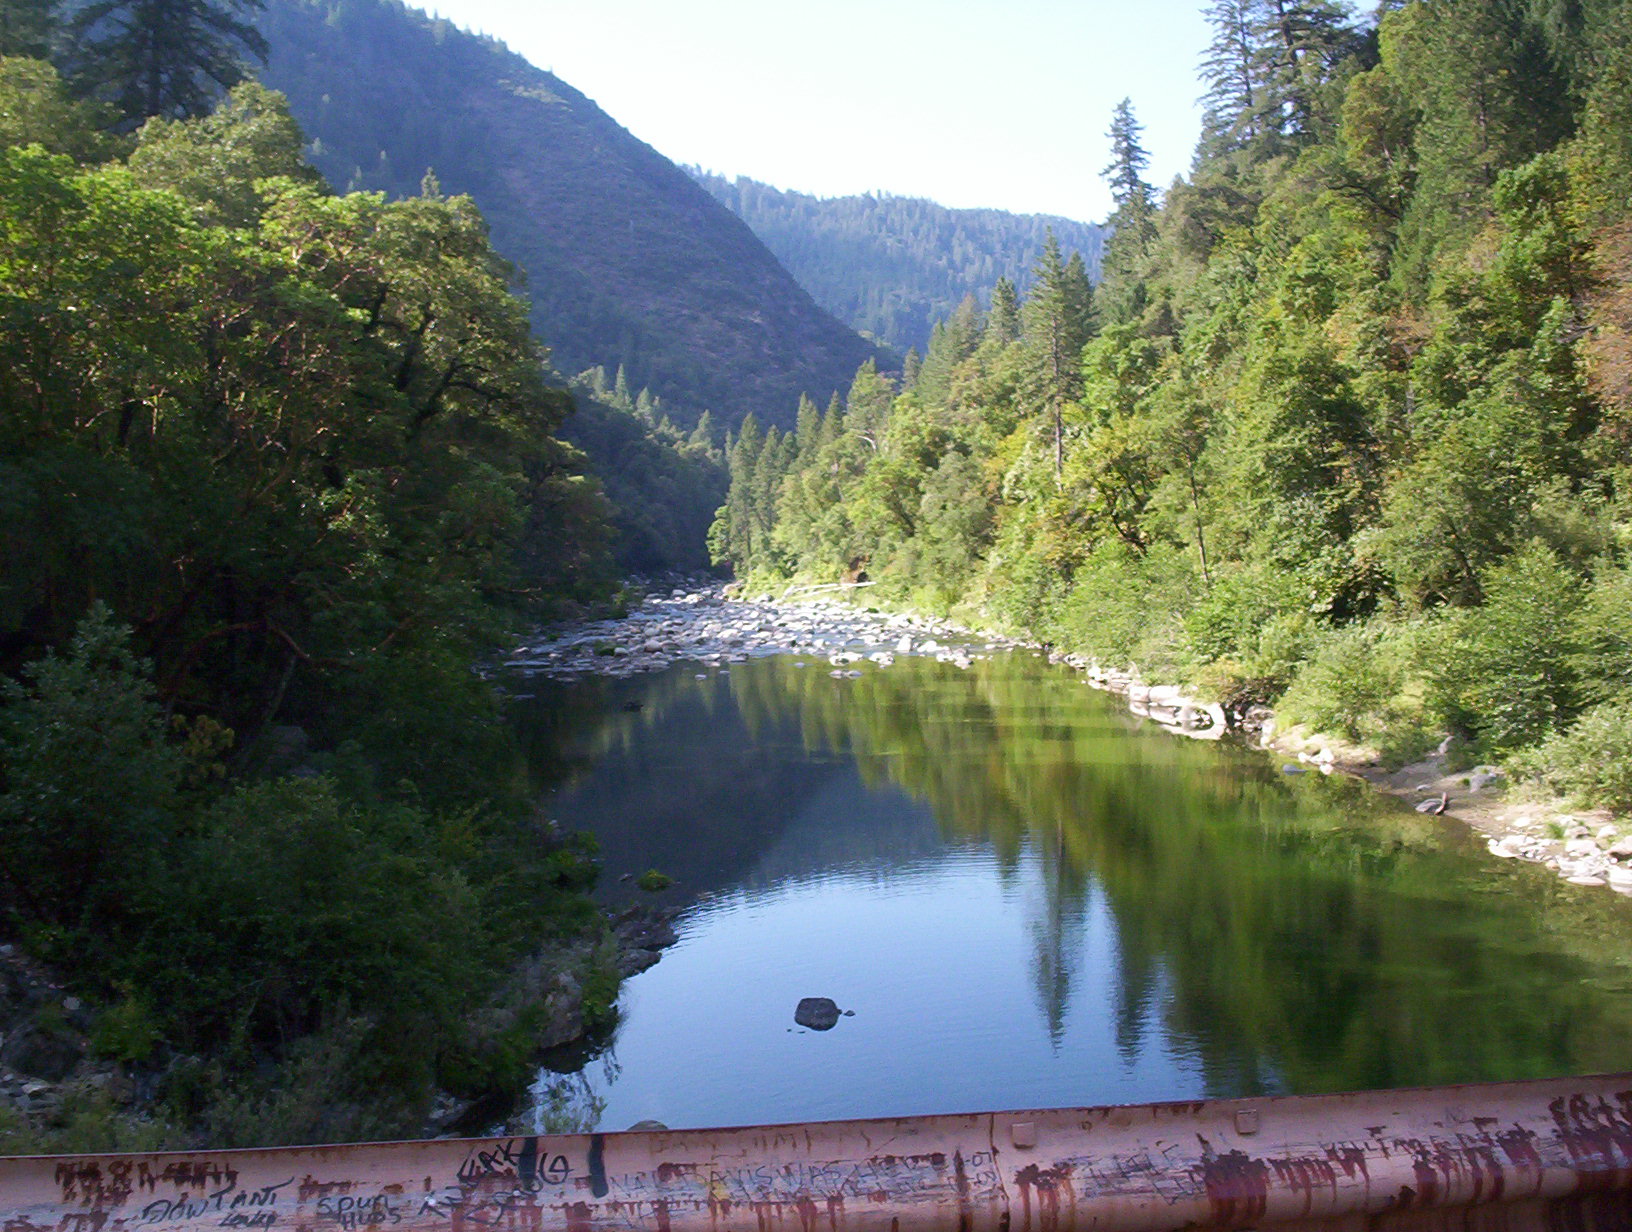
[358, 1212]
[518, 1158]
[500, 1180]
[239, 1208]
[882, 1178]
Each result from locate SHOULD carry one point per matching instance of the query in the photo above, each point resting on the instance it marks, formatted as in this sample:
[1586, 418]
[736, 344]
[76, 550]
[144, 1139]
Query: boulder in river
[817, 1013]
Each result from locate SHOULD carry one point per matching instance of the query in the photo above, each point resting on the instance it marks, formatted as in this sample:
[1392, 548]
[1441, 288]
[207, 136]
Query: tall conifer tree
[1056, 324]
[167, 58]
[26, 27]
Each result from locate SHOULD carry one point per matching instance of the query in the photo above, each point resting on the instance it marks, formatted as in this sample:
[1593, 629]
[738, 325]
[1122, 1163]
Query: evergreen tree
[1057, 323]
[26, 27]
[1133, 224]
[162, 57]
[807, 428]
[1299, 41]
[1125, 173]
[1003, 321]
[1231, 70]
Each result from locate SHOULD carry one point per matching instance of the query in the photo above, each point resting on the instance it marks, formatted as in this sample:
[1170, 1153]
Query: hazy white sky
[967, 102]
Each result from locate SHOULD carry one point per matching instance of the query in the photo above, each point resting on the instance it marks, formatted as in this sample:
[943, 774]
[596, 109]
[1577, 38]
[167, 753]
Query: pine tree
[1298, 43]
[26, 27]
[1133, 224]
[807, 428]
[162, 57]
[1057, 322]
[1231, 70]
[1003, 321]
[1125, 173]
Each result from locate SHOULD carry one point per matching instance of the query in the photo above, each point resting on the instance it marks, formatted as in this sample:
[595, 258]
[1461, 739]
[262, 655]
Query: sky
[971, 103]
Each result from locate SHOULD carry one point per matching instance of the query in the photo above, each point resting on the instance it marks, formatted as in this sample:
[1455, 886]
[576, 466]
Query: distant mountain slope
[628, 261]
[893, 266]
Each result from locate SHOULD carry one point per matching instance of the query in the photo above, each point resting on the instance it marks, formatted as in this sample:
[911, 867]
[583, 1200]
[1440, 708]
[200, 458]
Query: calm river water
[1029, 899]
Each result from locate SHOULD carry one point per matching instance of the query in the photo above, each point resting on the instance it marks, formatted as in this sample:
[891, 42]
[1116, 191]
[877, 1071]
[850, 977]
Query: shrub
[90, 801]
[1591, 760]
[1511, 671]
[1348, 685]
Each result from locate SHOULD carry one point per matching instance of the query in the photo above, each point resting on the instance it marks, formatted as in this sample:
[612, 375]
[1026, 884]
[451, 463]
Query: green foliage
[127, 1031]
[215, 162]
[1355, 425]
[271, 461]
[1510, 676]
[1592, 759]
[652, 881]
[37, 109]
[91, 784]
[27, 27]
[1348, 686]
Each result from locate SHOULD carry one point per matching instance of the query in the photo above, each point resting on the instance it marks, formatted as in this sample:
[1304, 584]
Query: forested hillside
[890, 266]
[278, 468]
[1345, 425]
[627, 262]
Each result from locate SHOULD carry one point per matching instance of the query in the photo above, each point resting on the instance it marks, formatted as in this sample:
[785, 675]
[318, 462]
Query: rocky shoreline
[703, 624]
[696, 620]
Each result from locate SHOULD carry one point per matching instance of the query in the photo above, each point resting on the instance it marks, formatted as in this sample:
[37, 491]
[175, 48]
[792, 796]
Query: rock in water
[817, 1013]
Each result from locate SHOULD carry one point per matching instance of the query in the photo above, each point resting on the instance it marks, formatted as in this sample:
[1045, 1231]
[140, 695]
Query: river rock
[816, 1013]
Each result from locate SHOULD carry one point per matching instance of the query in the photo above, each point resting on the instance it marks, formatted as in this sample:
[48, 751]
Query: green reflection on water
[1291, 933]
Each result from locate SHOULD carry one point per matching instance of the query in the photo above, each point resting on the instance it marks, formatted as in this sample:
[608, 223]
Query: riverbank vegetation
[276, 467]
[1344, 427]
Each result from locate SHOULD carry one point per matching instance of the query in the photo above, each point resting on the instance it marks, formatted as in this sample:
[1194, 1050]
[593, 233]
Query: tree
[1231, 70]
[1056, 324]
[1133, 225]
[162, 57]
[1003, 321]
[1125, 172]
[90, 782]
[36, 109]
[27, 27]
[216, 160]
[1299, 42]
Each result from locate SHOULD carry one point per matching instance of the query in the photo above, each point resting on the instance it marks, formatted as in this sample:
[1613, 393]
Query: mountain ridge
[892, 265]
[628, 262]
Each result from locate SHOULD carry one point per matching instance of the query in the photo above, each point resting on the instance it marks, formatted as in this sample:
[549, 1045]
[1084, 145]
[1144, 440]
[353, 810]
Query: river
[1028, 897]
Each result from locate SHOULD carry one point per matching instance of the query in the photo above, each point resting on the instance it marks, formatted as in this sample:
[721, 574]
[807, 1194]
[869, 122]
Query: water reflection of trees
[1295, 932]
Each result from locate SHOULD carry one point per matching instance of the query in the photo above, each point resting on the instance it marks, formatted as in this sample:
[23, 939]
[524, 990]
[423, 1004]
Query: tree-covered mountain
[893, 266]
[628, 263]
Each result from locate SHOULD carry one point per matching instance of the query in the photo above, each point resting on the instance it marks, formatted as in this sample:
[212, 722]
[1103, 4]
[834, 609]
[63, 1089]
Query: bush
[1348, 685]
[1592, 760]
[1128, 607]
[91, 784]
[1510, 674]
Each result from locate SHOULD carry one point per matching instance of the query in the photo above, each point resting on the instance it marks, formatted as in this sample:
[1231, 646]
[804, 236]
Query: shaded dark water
[1028, 899]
